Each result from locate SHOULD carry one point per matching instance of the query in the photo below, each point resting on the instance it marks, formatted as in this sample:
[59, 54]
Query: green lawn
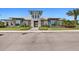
[63, 28]
[54, 28]
[15, 28]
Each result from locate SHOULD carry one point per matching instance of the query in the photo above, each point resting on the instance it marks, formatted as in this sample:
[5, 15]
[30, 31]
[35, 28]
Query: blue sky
[23, 12]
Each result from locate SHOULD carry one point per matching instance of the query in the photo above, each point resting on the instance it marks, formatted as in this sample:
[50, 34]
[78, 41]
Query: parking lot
[38, 41]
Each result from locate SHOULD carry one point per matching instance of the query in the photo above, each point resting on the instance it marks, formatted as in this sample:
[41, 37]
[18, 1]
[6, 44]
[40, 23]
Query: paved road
[55, 41]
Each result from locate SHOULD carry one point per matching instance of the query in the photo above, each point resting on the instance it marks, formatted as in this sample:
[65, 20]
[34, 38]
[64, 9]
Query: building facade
[35, 20]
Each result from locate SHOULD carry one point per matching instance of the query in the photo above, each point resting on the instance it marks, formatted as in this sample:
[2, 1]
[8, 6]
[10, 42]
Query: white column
[5, 23]
[32, 23]
[39, 22]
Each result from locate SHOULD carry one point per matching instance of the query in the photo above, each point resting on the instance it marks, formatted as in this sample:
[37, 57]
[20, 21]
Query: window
[17, 22]
[53, 23]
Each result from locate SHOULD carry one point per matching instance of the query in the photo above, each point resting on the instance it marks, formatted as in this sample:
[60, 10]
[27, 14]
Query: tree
[74, 13]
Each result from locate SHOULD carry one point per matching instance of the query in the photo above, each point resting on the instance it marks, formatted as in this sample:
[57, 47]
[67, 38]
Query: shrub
[24, 25]
[77, 22]
[25, 28]
[2, 24]
[43, 28]
[69, 23]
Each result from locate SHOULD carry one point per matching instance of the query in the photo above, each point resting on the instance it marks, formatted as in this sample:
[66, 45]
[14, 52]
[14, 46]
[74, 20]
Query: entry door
[35, 23]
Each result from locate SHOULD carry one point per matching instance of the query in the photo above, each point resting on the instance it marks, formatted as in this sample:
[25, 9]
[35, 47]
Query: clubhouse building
[35, 20]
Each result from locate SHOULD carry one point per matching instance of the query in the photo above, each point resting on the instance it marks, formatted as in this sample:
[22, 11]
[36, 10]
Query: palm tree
[74, 13]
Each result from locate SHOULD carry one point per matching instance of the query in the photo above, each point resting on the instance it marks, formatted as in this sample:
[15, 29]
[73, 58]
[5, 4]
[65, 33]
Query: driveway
[38, 41]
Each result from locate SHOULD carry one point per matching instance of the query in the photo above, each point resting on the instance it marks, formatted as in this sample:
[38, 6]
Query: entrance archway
[35, 23]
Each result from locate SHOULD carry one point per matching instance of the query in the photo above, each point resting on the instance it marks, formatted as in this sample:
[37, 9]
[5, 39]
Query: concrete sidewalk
[40, 31]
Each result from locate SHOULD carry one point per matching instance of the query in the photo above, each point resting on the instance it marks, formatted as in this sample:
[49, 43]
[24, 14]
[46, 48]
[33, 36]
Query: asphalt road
[55, 41]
